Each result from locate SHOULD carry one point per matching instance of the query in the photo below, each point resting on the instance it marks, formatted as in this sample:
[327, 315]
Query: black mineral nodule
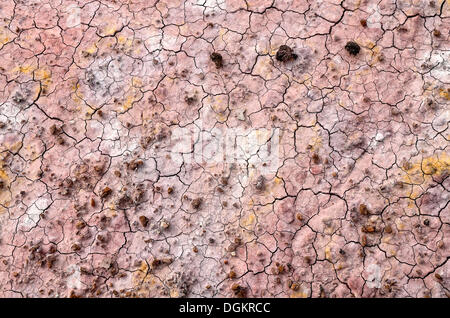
[285, 54]
[217, 59]
[352, 47]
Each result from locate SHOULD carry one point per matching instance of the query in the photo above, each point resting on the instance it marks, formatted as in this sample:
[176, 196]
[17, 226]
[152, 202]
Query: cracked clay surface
[224, 148]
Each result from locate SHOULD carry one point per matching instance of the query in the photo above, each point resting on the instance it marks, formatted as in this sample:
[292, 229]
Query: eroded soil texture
[224, 148]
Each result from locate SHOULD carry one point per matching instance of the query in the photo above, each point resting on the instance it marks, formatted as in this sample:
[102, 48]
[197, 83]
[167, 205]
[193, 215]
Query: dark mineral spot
[363, 23]
[80, 225]
[239, 291]
[388, 229]
[155, 263]
[437, 33]
[217, 59]
[316, 158]
[368, 229]
[224, 181]
[426, 222]
[18, 98]
[54, 130]
[363, 210]
[431, 104]
[260, 183]
[364, 241]
[190, 100]
[135, 164]
[352, 47]
[105, 192]
[196, 203]
[144, 220]
[285, 54]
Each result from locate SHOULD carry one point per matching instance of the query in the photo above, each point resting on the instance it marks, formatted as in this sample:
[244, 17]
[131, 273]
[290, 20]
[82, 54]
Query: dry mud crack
[214, 148]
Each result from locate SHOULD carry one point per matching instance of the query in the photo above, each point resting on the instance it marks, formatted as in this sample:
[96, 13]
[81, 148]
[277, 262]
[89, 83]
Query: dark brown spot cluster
[285, 54]
[217, 59]
[55, 130]
[105, 192]
[196, 203]
[363, 210]
[190, 100]
[239, 291]
[352, 48]
[144, 220]
[135, 164]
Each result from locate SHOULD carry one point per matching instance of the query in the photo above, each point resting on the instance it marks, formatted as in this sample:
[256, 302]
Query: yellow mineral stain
[92, 49]
[218, 105]
[375, 55]
[112, 210]
[25, 69]
[369, 44]
[136, 82]
[121, 39]
[328, 253]
[75, 86]
[44, 76]
[174, 293]
[110, 29]
[422, 171]
[316, 140]
[128, 103]
[141, 272]
[221, 117]
[444, 93]
[3, 175]
[400, 225]
[89, 110]
[329, 229]
[15, 147]
[362, 73]
[4, 38]
[143, 282]
[124, 41]
[249, 220]
[222, 32]
[262, 136]
[299, 294]
[78, 96]
[4, 194]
